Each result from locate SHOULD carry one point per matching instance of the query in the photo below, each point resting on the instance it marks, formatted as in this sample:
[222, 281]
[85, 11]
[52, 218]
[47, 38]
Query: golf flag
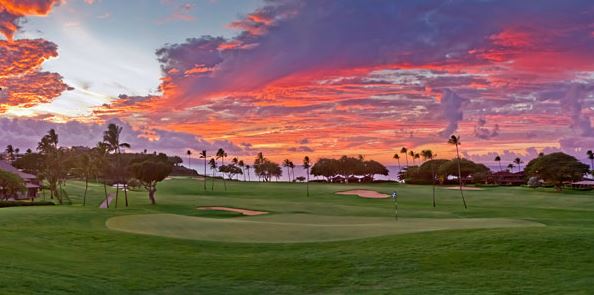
[395, 198]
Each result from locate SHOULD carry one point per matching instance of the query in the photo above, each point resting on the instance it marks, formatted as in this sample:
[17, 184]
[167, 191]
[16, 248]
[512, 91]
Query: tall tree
[112, 138]
[590, 155]
[306, 166]
[455, 140]
[221, 154]
[203, 156]
[518, 162]
[428, 156]
[103, 165]
[292, 166]
[404, 151]
[286, 164]
[87, 165]
[412, 156]
[189, 153]
[397, 157]
[241, 165]
[213, 168]
[248, 167]
[511, 167]
[9, 151]
[498, 160]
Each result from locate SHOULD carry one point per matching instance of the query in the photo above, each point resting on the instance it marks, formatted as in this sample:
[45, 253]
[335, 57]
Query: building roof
[9, 168]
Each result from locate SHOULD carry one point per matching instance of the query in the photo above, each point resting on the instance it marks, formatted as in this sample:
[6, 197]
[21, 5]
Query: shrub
[5, 204]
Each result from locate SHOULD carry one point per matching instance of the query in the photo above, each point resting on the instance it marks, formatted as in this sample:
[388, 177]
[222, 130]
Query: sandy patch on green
[294, 228]
[364, 194]
[245, 212]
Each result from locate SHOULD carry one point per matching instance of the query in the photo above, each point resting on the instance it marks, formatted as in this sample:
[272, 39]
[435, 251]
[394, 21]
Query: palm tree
[292, 166]
[519, 162]
[248, 167]
[287, 164]
[112, 138]
[221, 154]
[455, 140]
[213, 167]
[235, 162]
[428, 155]
[189, 153]
[307, 165]
[203, 156]
[397, 157]
[417, 156]
[510, 166]
[591, 157]
[404, 151]
[102, 151]
[10, 152]
[498, 160]
[241, 164]
[88, 167]
[412, 156]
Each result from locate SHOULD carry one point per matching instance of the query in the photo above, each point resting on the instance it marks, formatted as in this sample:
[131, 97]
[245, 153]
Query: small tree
[557, 168]
[10, 184]
[151, 171]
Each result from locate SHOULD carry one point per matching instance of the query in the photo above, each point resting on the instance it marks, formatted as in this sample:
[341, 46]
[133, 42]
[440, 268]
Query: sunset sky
[291, 78]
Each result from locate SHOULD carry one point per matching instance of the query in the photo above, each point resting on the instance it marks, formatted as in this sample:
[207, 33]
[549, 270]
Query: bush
[5, 204]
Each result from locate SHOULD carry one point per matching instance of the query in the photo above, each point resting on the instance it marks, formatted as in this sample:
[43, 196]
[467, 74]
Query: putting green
[293, 228]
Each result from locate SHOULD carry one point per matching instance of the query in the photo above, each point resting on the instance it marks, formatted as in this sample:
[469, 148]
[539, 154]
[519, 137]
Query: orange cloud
[12, 10]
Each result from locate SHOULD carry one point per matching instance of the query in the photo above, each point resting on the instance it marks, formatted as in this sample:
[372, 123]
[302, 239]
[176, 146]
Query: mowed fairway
[510, 240]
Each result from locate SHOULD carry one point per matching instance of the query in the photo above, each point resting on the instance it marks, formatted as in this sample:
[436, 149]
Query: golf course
[510, 240]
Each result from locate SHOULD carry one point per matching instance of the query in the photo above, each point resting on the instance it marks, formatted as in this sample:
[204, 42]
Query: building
[31, 182]
[509, 178]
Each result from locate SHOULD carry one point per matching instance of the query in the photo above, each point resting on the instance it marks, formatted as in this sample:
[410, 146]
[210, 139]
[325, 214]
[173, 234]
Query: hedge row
[4, 204]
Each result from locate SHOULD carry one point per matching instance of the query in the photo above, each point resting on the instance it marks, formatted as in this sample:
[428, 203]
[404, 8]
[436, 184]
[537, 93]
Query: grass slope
[69, 249]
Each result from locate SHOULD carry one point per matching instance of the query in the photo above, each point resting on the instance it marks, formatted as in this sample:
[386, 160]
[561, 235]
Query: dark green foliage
[150, 170]
[5, 204]
[467, 168]
[557, 168]
[423, 174]
[231, 170]
[348, 167]
[10, 184]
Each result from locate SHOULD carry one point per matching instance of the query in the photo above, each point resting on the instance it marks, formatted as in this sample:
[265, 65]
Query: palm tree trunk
[117, 192]
[213, 178]
[224, 183]
[105, 189]
[86, 188]
[126, 194]
[460, 177]
[433, 182]
[205, 171]
[307, 182]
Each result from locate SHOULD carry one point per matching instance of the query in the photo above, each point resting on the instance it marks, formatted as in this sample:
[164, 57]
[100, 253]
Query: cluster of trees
[348, 168]
[107, 162]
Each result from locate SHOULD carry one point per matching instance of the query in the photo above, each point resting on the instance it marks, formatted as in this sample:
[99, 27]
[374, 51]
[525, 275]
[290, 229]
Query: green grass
[69, 249]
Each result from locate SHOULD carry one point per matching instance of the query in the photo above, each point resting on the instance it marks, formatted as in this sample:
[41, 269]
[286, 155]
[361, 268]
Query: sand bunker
[364, 194]
[245, 212]
[464, 188]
